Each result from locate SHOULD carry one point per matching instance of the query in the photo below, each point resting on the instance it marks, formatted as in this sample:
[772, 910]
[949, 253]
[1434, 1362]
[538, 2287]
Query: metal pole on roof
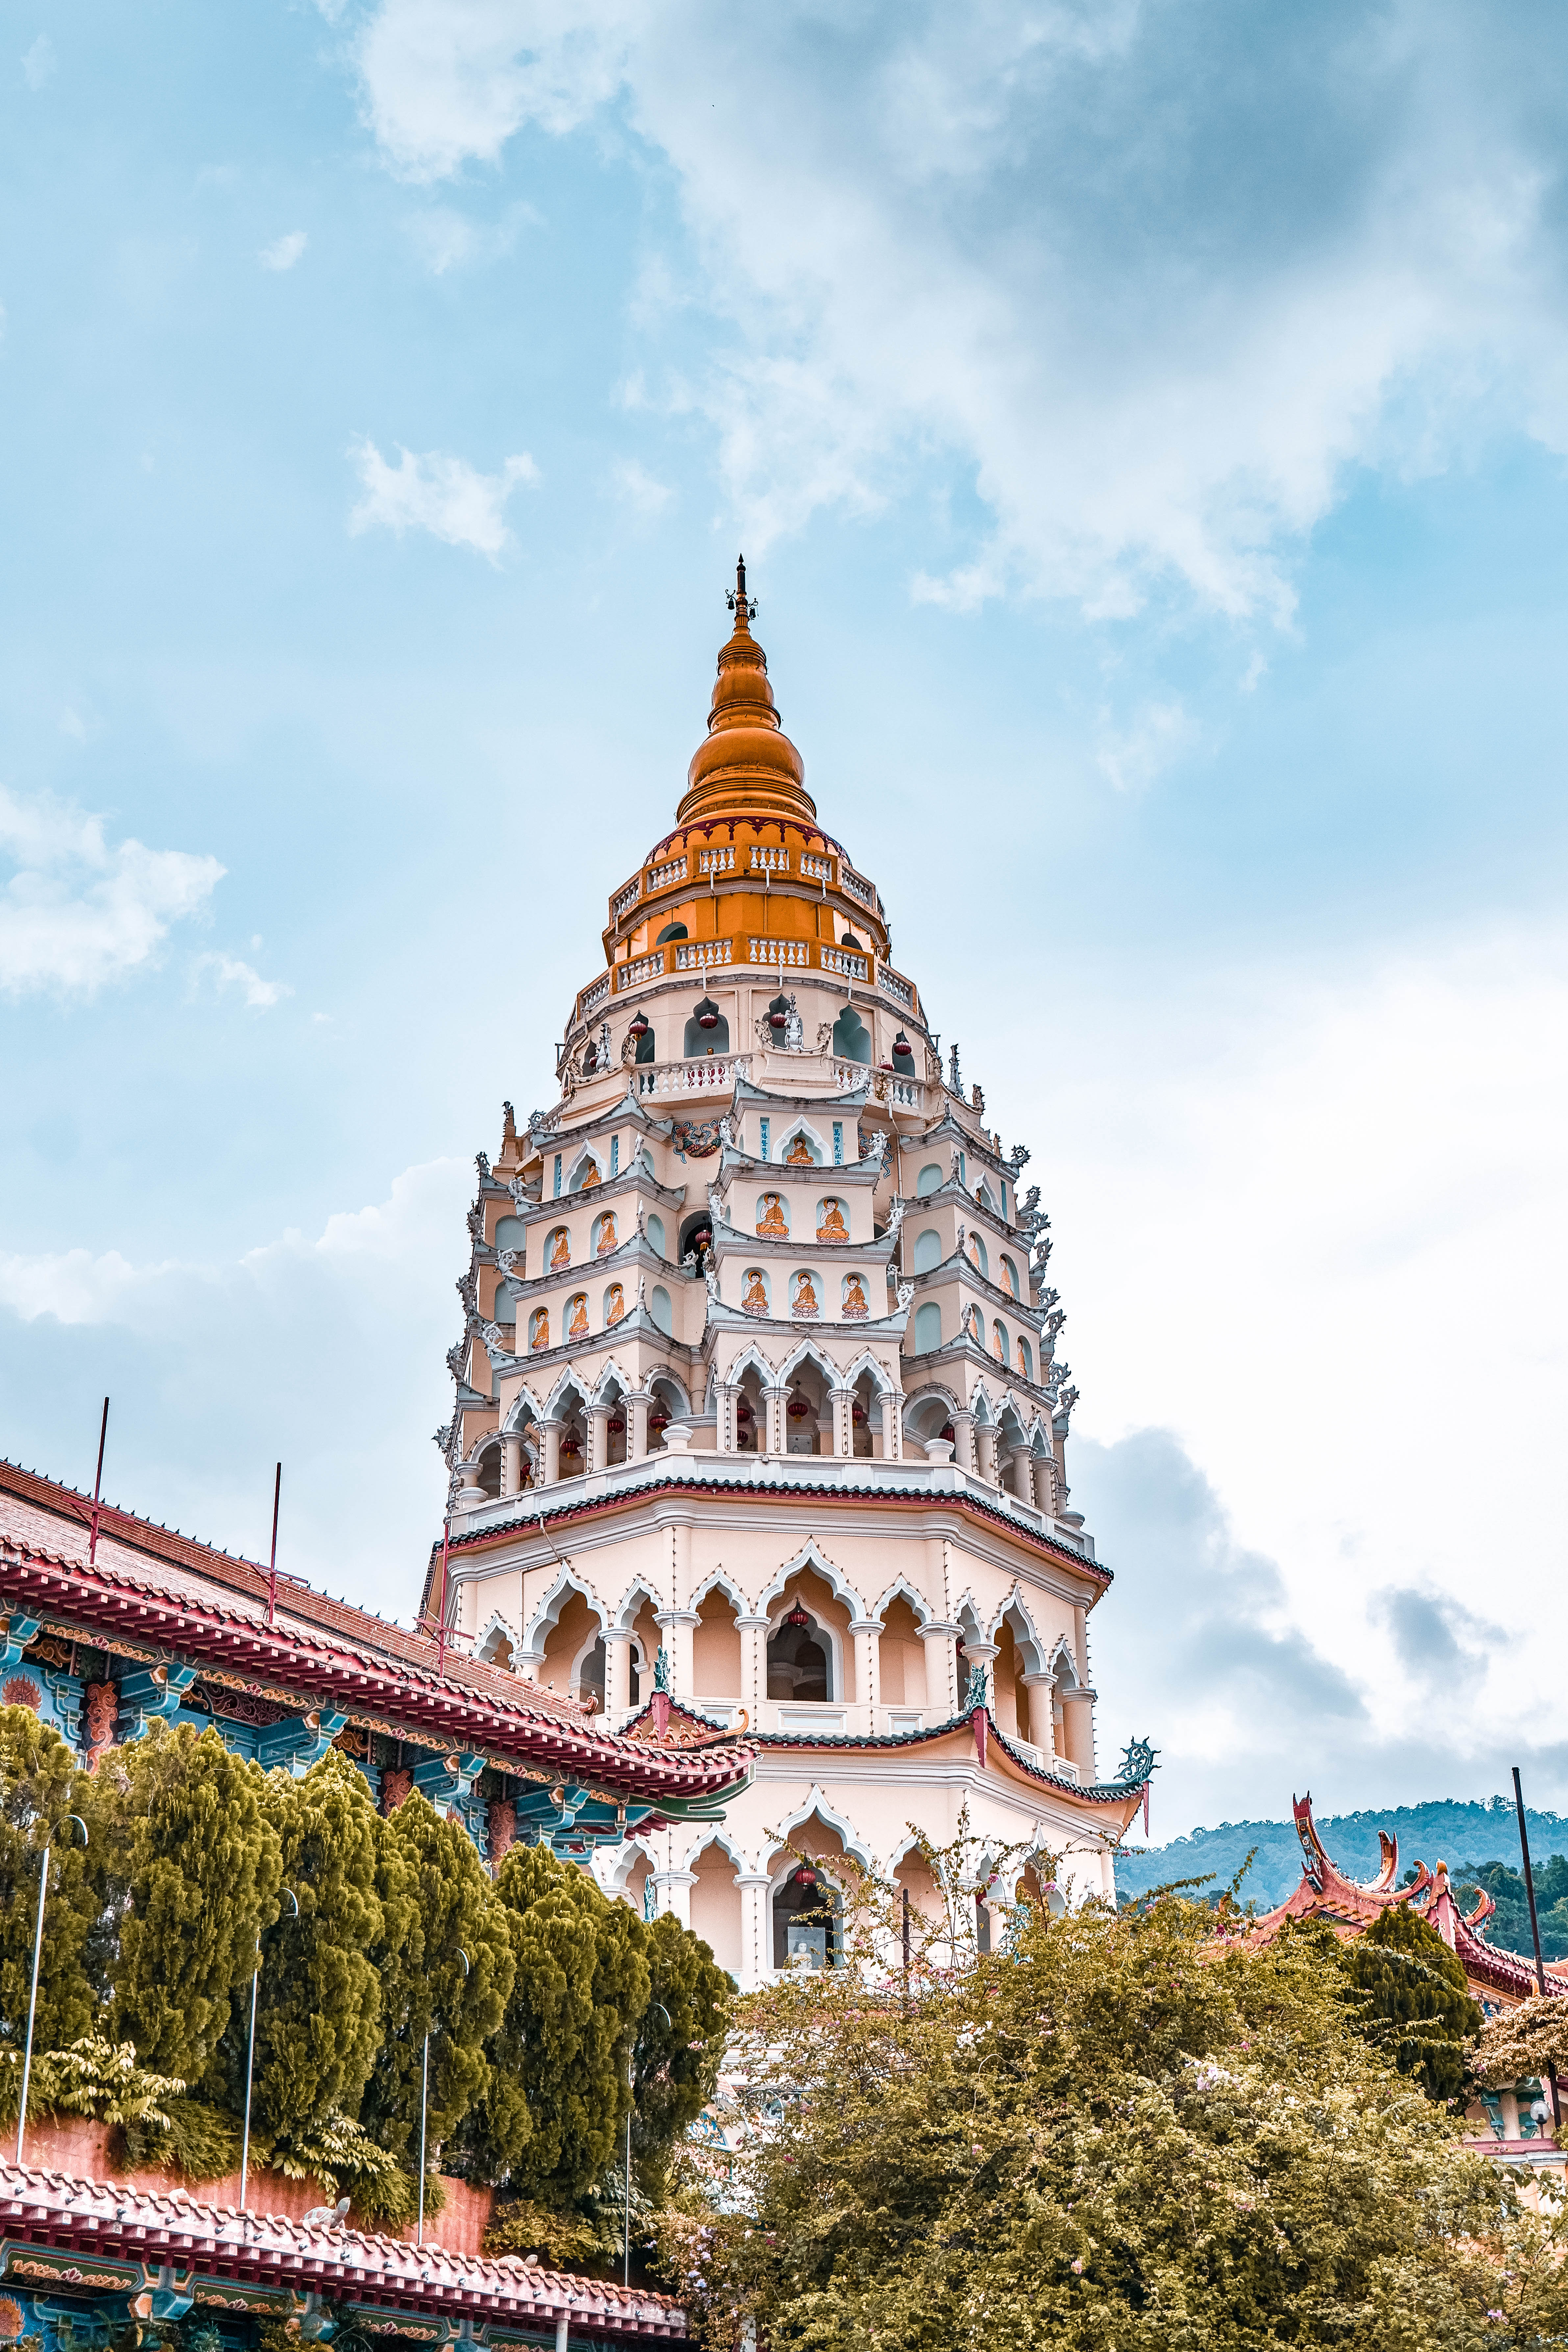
[1535, 1939]
[33, 1997]
[446, 1546]
[272, 1568]
[97, 1485]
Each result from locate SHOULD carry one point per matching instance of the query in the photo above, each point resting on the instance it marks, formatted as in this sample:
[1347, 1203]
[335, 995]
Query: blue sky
[1146, 429]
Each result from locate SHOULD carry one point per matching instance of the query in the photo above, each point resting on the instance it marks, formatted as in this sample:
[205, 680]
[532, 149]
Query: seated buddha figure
[607, 1237]
[560, 1248]
[772, 1222]
[799, 1154]
[831, 1228]
[805, 1295]
[614, 1303]
[539, 1328]
[755, 1291]
[577, 1316]
[854, 1295]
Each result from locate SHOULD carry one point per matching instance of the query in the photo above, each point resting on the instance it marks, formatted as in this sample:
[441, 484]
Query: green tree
[558, 2101]
[195, 1873]
[1414, 1998]
[1121, 2130]
[318, 2014]
[438, 1905]
[41, 1783]
[680, 2044]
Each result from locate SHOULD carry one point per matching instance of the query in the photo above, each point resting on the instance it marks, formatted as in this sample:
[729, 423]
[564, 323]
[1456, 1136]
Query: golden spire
[747, 766]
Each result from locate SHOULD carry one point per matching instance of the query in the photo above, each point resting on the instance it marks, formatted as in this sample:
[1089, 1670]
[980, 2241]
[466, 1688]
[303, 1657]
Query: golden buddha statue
[833, 1227]
[854, 1295]
[539, 1328]
[577, 1314]
[607, 1237]
[614, 1303]
[591, 1178]
[560, 1248]
[805, 1295]
[799, 1154]
[755, 1299]
[772, 1222]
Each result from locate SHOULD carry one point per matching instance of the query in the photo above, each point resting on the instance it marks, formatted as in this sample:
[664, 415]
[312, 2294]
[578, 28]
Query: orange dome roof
[747, 766]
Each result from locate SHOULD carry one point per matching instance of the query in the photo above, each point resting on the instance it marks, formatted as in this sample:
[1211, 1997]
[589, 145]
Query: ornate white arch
[1063, 1655]
[901, 1588]
[866, 1362]
[752, 1356]
[811, 1348]
[809, 1556]
[813, 1803]
[590, 1151]
[719, 1583]
[711, 1834]
[801, 1126]
[547, 1613]
[569, 1377]
[611, 1377]
[497, 1622]
[666, 1373]
[524, 1406]
[1014, 1613]
[629, 1609]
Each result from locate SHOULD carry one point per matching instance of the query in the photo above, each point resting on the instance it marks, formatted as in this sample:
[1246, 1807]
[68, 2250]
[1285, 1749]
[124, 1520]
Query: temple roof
[218, 2244]
[162, 1594]
[746, 766]
[1350, 1908]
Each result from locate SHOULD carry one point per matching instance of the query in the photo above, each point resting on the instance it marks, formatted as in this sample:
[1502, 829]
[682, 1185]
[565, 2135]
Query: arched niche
[716, 1907]
[716, 1647]
[901, 1655]
[569, 1643]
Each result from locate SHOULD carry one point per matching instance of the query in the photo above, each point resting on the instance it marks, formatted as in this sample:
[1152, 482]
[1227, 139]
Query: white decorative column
[775, 1402]
[470, 1494]
[985, 1448]
[550, 1467]
[598, 1418]
[964, 1438]
[618, 1671]
[867, 1631]
[1077, 1729]
[510, 1462]
[753, 1633]
[636, 1426]
[674, 1892]
[942, 1669]
[892, 1425]
[676, 1625]
[756, 1928]
[844, 1400]
[1040, 1474]
[725, 1393]
[1041, 1731]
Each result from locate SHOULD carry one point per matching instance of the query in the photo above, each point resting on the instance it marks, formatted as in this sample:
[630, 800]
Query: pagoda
[761, 1424]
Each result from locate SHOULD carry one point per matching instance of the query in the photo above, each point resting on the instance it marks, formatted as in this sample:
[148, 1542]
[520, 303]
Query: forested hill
[1465, 1836]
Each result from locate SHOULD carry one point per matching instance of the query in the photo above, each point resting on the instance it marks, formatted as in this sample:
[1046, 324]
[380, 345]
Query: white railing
[717, 861]
[644, 969]
[896, 986]
[713, 1074]
[626, 900]
[857, 887]
[849, 1074]
[817, 869]
[904, 1093]
[659, 876]
[852, 967]
[694, 955]
[592, 998]
[772, 861]
[780, 951]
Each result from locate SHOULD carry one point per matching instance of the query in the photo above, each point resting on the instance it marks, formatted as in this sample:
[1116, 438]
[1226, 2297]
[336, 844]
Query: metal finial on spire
[743, 607]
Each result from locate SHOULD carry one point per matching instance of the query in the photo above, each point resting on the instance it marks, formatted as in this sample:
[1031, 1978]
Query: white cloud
[638, 489]
[444, 496]
[75, 912]
[1132, 758]
[285, 251]
[229, 971]
[1315, 1233]
[38, 62]
[447, 240]
[372, 1285]
[1153, 286]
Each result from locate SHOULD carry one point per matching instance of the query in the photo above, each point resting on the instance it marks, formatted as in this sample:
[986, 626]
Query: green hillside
[1467, 1837]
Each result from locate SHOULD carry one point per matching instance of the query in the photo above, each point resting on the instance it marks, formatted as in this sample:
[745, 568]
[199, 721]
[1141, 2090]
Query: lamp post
[37, 1955]
[251, 2064]
[424, 2109]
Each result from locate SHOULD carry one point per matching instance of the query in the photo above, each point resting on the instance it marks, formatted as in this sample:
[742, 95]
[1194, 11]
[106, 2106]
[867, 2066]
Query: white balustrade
[660, 876]
[644, 967]
[717, 861]
[818, 870]
[857, 887]
[851, 967]
[700, 955]
[769, 860]
[713, 1074]
[592, 998]
[791, 953]
[626, 899]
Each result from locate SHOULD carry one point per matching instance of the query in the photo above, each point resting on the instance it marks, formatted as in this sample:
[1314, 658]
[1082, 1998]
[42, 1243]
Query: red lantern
[778, 1016]
[859, 1414]
[805, 1876]
[742, 1412]
[616, 1424]
[706, 1013]
[795, 1616]
[797, 1408]
[657, 1421]
[640, 1026]
[570, 1449]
